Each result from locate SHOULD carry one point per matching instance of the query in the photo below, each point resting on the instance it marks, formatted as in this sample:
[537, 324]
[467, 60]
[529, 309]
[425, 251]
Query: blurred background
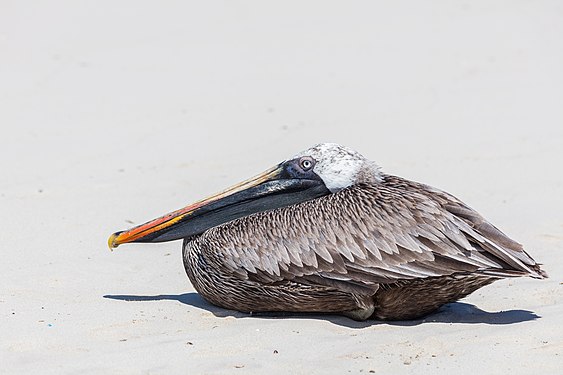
[116, 96]
[121, 81]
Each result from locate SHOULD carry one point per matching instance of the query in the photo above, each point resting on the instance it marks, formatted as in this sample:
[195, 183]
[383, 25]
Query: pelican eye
[306, 163]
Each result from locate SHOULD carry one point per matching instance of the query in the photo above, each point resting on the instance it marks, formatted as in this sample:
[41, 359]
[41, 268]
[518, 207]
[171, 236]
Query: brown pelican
[327, 231]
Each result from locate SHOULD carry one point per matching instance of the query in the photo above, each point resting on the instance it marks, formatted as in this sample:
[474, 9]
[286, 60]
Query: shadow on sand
[457, 312]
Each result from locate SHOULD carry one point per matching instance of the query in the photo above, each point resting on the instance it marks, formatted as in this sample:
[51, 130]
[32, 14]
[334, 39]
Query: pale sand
[112, 114]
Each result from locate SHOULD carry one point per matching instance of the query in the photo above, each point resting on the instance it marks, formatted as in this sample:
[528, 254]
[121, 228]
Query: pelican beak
[272, 189]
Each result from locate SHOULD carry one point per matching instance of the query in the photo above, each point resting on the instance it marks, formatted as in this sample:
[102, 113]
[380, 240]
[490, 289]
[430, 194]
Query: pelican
[328, 232]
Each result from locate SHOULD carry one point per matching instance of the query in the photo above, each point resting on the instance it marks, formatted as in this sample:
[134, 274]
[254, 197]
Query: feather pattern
[362, 237]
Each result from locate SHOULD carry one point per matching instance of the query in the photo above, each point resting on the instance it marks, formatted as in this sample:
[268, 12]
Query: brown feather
[399, 241]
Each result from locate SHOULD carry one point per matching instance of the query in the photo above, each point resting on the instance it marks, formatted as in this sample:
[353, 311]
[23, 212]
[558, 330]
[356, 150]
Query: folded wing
[365, 236]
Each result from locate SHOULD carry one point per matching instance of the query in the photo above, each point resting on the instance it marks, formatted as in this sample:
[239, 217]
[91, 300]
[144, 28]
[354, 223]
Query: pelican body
[328, 232]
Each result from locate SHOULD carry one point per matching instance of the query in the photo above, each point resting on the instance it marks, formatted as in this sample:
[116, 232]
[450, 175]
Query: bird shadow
[456, 312]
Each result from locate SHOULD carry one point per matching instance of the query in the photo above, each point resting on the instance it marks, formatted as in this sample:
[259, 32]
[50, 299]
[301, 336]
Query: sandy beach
[114, 113]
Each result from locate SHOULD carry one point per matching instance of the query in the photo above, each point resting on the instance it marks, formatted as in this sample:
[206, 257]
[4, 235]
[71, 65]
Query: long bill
[272, 189]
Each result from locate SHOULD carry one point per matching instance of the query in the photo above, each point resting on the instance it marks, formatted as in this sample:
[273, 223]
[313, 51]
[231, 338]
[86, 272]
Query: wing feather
[366, 235]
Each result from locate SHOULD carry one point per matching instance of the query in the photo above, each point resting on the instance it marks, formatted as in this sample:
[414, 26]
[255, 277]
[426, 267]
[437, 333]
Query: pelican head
[340, 167]
[323, 169]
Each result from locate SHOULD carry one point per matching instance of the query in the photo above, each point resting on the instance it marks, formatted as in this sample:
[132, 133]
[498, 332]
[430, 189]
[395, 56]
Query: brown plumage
[370, 245]
[395, 250]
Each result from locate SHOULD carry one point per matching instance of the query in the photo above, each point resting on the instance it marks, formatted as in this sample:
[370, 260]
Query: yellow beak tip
[112, 241]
